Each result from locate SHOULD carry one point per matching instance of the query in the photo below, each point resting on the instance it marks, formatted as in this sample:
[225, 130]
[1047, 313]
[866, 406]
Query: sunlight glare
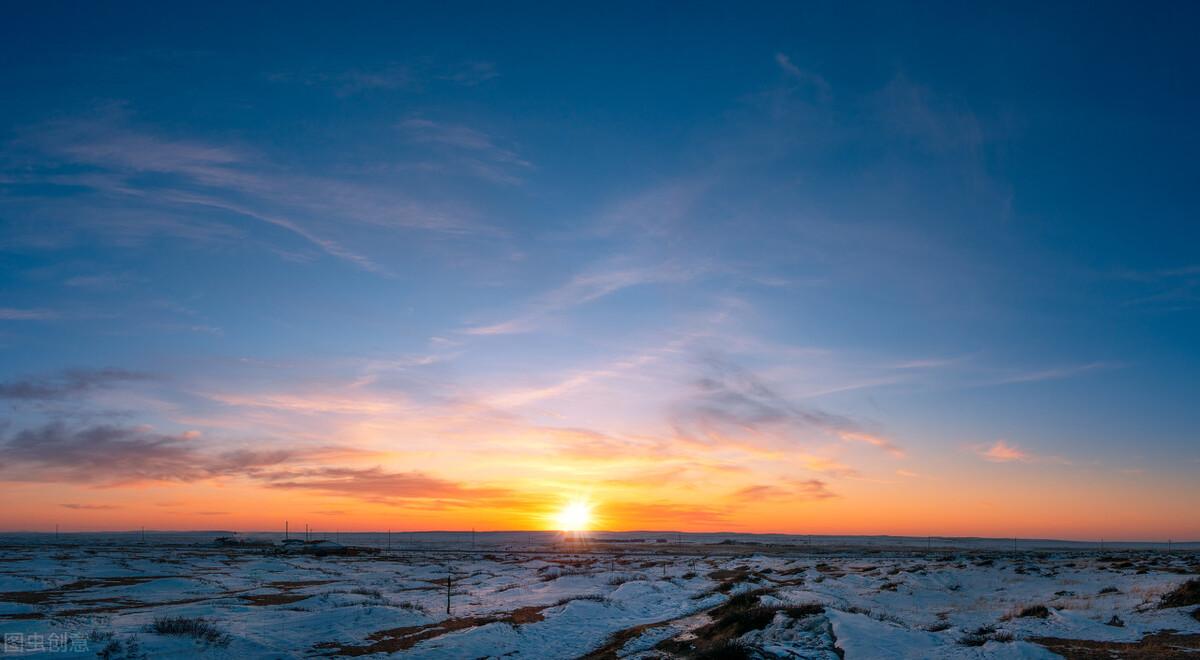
[575, 517]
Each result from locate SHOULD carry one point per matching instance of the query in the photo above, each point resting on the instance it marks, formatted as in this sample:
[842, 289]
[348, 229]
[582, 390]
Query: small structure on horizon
[322, 548]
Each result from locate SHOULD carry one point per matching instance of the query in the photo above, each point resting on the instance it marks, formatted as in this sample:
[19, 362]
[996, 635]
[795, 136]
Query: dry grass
[56, 594]
[732, 619]
[1034, 612]
[266, 600]
[619, 639]
[402, 639]
[1185, 594]
[985, 634]
[1156, 646]
[724, 650]
[196, 628]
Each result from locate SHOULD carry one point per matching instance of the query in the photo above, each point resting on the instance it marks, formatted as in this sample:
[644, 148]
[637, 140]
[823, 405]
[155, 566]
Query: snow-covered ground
[609, 601]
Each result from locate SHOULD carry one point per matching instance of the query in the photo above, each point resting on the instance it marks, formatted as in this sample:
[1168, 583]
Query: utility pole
[449, 582]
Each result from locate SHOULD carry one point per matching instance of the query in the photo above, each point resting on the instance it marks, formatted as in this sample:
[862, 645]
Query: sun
[574, 517]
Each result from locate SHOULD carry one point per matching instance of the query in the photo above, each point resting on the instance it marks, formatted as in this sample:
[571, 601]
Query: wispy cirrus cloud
[1003, 452]
[729, 402]
[1052, 373]
[873, 440]
[807, 489]
[108, 455]
[813, 81]
[411, 489]
[71, 382]
[587, 287]
[100, 281]
[470, 74]
[36, 314]
[392, 76]
[143, 173]
[664, 513]
[348, 82]
[1166, 289]
[655, 211]
[626, 366]
[467, 149]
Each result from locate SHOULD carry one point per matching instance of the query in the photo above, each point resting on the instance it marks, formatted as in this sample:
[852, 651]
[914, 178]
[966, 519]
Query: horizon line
[599, 531]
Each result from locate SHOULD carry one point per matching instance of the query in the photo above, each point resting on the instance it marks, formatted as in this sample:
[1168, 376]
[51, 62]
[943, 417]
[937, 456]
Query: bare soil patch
[400, 639]
[1164, 645]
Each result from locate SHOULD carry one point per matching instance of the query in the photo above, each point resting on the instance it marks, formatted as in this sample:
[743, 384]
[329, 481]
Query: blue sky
[887, 244]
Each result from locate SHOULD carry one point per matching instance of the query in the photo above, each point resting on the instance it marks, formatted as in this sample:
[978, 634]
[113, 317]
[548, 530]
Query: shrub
[116, 650]
[736, 620]
[972, 639]
[803, 610]
[742, 601]
[1034, 611]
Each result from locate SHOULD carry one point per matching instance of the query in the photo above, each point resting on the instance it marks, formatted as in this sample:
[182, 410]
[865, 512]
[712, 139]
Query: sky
[822, 268]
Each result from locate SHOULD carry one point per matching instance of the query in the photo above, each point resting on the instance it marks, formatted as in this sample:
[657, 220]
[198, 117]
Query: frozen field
[611, 600]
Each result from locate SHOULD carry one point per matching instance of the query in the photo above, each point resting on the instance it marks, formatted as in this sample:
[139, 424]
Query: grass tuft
[1034, 612]
[197, 628]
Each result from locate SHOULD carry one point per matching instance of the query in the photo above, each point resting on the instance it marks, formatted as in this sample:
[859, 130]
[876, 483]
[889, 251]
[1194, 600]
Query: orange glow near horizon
[463, 467]
[985, 503]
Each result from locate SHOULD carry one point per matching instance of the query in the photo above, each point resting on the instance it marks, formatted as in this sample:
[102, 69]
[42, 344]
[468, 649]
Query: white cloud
[1002, 452]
